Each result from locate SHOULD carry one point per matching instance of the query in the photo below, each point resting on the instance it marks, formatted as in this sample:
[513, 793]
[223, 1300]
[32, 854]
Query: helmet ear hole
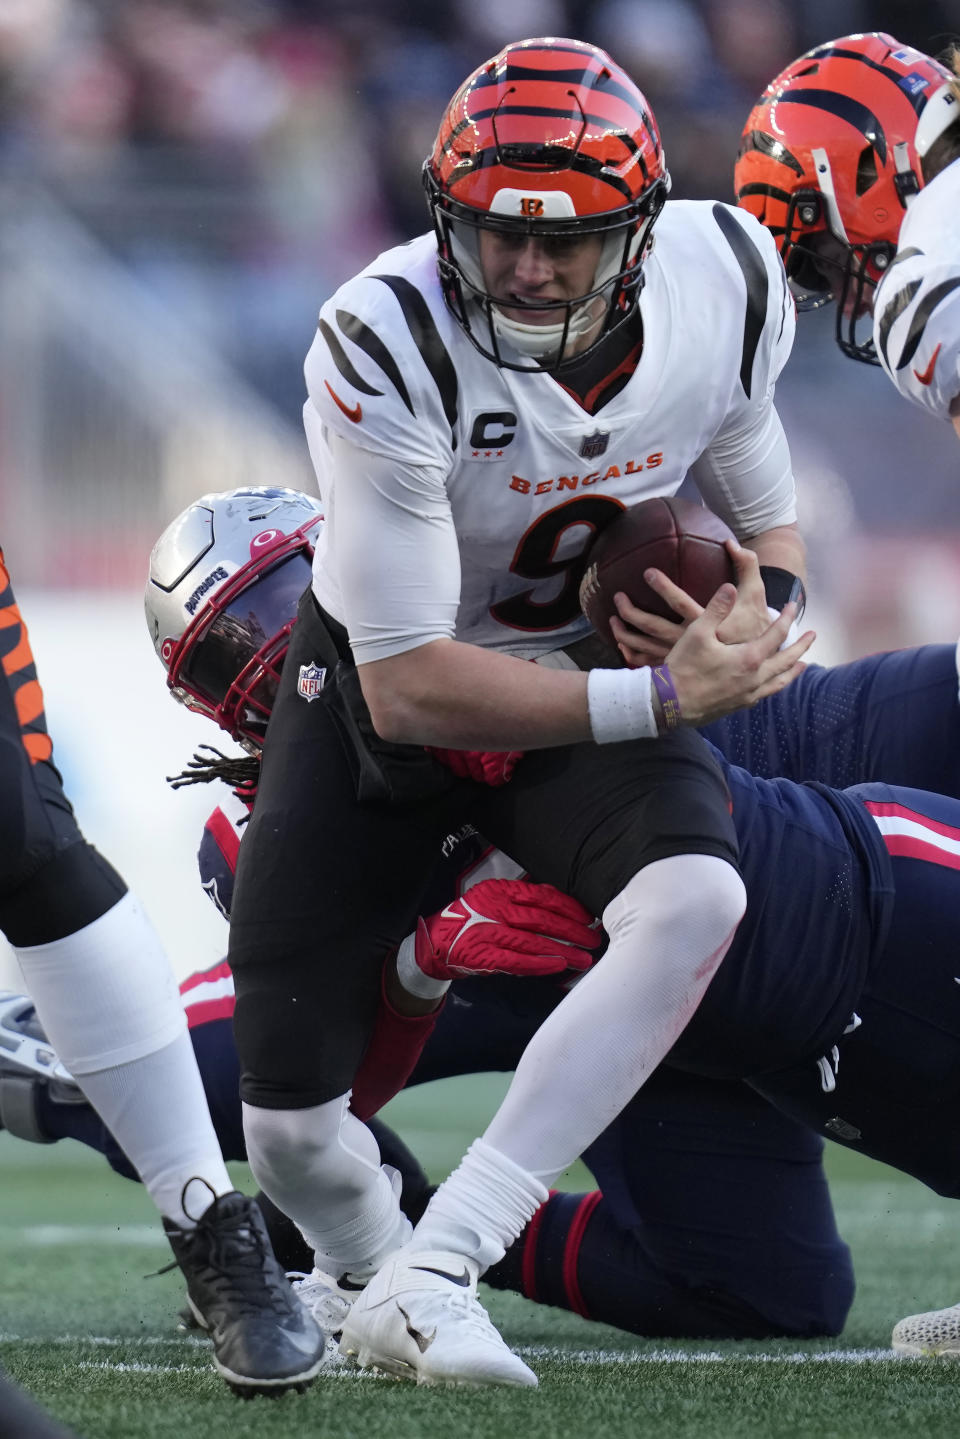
[866, 170]
[804, 271]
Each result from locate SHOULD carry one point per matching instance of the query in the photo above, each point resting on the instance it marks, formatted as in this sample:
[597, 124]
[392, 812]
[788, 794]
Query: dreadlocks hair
[946, 148]
[240, 772]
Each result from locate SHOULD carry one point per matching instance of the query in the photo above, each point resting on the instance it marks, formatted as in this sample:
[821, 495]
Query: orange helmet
[549, 139]
[829, 160]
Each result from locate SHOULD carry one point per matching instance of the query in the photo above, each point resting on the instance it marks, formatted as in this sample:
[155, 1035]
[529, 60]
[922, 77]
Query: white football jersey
[460, 497]
[916, 314]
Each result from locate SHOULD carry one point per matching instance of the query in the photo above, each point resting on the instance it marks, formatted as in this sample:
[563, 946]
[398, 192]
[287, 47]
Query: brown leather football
[683, 539]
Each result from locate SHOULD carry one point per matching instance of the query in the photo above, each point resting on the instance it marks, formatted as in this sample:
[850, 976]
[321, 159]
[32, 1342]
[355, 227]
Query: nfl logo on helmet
[310, 682]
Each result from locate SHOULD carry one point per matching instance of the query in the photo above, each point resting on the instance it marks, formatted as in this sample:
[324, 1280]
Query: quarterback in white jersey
[482, 402]
[512, 476]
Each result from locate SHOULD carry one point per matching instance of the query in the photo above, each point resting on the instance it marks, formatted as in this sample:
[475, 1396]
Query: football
[679, 537]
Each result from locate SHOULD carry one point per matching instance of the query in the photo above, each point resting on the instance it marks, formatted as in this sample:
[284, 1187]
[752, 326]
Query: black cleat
[264, 1340]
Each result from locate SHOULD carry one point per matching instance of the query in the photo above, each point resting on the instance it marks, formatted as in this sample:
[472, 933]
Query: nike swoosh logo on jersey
[462, 1279]
[422, 1341]
[927, 376]
[356, 414]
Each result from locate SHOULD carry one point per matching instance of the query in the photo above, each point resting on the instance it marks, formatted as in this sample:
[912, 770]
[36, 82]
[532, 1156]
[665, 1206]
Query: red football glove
[507, 926]
[492, 767]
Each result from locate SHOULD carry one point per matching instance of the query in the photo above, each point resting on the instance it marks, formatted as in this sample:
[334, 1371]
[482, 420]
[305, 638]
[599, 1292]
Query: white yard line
[581, 1356]
[103, 1341]
[51, 1236]
[705, 1356]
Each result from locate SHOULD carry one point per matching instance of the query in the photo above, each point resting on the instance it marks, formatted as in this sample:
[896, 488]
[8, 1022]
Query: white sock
[321, 1166]
[669, 929]
[481, 1208]
[157, 1103]
[108, 1001]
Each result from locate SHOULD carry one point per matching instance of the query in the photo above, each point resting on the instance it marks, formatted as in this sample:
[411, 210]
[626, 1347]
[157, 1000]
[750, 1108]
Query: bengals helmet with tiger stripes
[549, 139]
[829, 161]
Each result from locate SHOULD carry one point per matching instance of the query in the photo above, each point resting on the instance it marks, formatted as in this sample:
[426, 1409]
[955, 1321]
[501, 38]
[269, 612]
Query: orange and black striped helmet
[552, 140]
[828, 162]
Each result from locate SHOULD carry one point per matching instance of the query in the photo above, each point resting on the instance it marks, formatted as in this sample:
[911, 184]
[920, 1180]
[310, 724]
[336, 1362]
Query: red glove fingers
[507, 927]
[492, 767]
[538, 907]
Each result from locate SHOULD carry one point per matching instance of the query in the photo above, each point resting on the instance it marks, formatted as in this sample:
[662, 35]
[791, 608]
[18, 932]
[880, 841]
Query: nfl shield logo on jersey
[595, 444]
[310, 682]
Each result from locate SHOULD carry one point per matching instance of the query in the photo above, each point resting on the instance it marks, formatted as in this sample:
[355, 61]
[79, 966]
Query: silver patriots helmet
[221, 598]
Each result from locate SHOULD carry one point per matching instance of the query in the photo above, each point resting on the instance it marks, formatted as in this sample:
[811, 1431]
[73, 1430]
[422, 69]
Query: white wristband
[620, 705]
[412, 977]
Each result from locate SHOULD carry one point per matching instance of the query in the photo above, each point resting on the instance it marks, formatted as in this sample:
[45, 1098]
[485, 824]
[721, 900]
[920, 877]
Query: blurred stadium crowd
[243, 154]
[182, 182]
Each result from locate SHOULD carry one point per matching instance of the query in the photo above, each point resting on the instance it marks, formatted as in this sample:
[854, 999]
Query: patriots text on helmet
[206, 584]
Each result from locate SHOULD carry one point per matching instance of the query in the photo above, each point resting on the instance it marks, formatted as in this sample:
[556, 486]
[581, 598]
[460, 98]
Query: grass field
[83, 1329]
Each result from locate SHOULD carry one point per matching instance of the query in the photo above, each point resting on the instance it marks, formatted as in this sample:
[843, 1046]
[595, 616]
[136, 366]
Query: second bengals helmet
[829, 159]
[549, 140]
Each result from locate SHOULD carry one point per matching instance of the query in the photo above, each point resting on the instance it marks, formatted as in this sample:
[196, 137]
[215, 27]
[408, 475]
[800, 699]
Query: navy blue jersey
[891, 717]
[819, 888]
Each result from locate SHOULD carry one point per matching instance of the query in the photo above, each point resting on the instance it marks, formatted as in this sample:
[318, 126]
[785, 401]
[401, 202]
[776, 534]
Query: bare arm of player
[464, 697]
[783, 547]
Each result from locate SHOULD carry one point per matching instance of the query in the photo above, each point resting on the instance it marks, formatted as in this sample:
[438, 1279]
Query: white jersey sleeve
[381, 427]
[916, 314]
[745, 474]
[387, 564]
[378, 372]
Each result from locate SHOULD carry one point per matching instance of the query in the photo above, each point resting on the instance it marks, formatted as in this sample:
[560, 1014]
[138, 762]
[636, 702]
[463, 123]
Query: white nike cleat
[326, 1301]
[329, 1305]
[419, 1318]
[934, 1335]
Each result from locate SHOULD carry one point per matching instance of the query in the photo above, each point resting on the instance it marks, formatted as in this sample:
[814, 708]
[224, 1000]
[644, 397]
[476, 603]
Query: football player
[713, 1207]
[849, 158]
[481, 401]
[119, 1027]
[676, 1160]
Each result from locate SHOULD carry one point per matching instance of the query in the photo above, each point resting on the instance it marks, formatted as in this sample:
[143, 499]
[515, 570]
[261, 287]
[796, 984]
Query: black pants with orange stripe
[52, 882]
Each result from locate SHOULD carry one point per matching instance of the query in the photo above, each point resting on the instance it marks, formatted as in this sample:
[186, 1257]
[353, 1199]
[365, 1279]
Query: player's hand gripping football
[713, 678]
[647, 639]
[507, 926]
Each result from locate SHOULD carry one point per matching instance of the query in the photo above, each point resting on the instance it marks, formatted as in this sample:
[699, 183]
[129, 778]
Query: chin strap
[536, 342]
